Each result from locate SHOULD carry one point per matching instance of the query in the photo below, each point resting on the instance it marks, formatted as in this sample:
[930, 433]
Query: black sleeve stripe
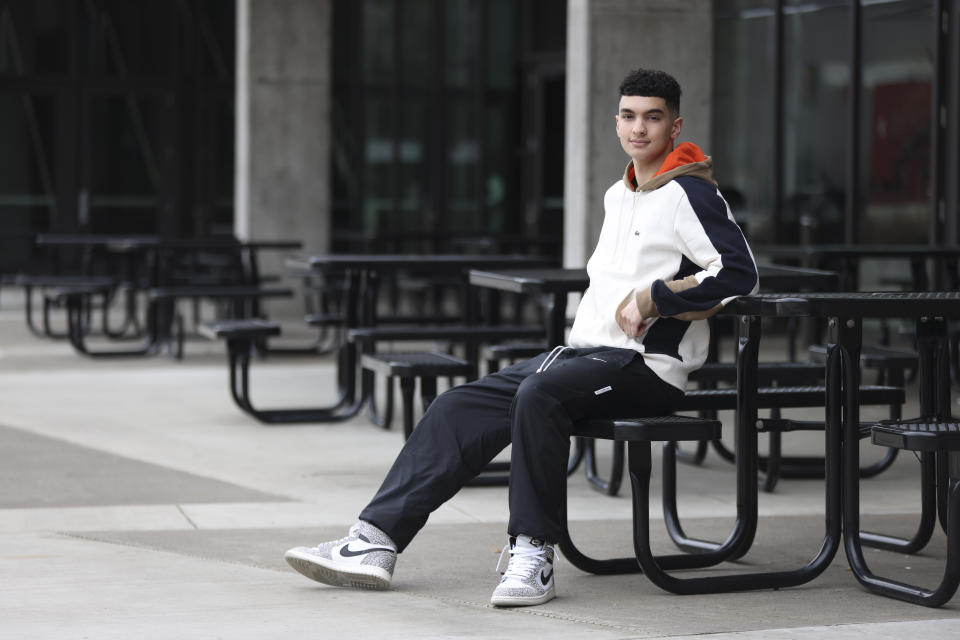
[738, 275]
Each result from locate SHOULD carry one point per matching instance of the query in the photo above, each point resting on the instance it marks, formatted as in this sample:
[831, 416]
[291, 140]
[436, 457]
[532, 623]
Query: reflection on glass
[410, 163]
[123, 165]
[33, 37]
[896, 112]
[216, 34]
[463, 156]
[378, 40]
[462, 39]
[743, 120]
[27, 127]
[417, 32]
[129, 38]
[424, 143]
[378, 163]
[816, 84]
[501, 44]
[500, 175]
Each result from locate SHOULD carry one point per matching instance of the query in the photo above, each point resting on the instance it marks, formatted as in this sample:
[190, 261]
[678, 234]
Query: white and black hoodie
[672, 246]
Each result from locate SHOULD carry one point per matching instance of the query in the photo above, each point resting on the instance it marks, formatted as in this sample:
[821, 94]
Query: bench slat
[416, 364]
[461, 333]
[918, 435]
[784, 397]
[239, 328]
[218, 291]
[649, 429]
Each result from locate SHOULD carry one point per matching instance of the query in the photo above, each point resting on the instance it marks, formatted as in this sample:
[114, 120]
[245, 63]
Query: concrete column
[606, 39]
[283, 94]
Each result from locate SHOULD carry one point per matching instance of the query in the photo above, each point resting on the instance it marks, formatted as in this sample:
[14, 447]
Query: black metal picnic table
[933, 432]
[146, 262]
[844, 313]
[362, 274]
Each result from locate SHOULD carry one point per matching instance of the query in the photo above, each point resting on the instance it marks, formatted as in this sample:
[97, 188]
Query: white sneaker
[528, 579]
[364, 559]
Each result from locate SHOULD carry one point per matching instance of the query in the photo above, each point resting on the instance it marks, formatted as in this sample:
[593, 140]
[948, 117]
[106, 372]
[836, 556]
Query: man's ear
[675, 128]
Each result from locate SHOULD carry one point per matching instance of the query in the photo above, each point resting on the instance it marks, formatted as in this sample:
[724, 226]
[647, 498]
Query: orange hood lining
[684, 153]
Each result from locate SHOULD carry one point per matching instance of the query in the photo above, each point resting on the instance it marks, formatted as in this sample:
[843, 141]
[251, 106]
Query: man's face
[646, 129]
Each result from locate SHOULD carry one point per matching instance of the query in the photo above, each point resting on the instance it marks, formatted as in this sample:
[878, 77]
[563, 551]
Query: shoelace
[352, 534]
[346, 538]
[522, 563]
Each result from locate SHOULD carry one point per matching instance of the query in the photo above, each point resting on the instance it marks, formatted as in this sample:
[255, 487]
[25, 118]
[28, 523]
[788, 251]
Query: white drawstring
[553, 355]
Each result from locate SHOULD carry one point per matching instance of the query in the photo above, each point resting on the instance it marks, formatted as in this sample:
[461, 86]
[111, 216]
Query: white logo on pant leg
[604, 390]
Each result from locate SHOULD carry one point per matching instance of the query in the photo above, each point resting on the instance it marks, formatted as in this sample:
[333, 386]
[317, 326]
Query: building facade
[466, 125]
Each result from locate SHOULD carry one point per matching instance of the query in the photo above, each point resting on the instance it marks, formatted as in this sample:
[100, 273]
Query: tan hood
[685, 160]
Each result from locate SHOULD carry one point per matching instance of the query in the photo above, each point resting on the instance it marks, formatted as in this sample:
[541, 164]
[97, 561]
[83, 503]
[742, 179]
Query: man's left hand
[631, 321]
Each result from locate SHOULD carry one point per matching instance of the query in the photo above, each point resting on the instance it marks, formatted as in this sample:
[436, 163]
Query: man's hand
[631, 320]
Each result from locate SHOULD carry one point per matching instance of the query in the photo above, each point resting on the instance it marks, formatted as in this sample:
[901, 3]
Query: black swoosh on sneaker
[545, 577]
[347, 552]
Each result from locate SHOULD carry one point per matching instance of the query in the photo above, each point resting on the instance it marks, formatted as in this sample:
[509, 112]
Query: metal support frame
[739, 541]
[935, 404]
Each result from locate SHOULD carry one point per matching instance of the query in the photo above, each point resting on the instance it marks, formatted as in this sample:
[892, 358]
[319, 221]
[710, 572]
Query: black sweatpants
[468, 425]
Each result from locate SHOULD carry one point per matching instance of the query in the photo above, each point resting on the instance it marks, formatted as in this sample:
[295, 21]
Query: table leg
[747, 468]
[931, 369]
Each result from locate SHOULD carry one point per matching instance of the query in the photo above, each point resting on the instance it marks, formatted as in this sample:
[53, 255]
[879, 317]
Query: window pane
[424, 144]
[33, 37]
[125, 159]
[896, 112]
[216, 31]
[418, 42]
[411, 163]
[743, 102]
[125, 172]
[501, 173]
[501, 44]
[27, 127]
[129, 38]
[378, 165]
[462, 40]
[463, 156]
[20, 226]
[378, 41]
[816, 86]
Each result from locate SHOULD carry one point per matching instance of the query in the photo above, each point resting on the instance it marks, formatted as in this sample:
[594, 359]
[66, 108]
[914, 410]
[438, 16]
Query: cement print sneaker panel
[528, 579]
[361, 560]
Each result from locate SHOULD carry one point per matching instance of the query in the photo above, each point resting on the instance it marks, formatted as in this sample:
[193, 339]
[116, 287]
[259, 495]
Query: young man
[669, 256]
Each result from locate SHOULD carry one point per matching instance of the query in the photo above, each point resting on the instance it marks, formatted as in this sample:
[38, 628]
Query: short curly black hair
[655, 84]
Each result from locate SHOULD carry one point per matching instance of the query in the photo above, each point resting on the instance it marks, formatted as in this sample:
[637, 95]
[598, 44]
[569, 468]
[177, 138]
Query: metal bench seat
[494, 354]
[933, 439]
[55, 289]
[649, 429]
[639, 433]
[427, 366]
[218, 291]
[243, 336]
[712, 400]
[462, 333]
[918, 436]
[240, 329]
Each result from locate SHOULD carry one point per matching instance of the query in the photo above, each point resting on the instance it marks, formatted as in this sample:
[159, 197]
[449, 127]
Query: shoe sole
[322, 570]
[514, 601]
